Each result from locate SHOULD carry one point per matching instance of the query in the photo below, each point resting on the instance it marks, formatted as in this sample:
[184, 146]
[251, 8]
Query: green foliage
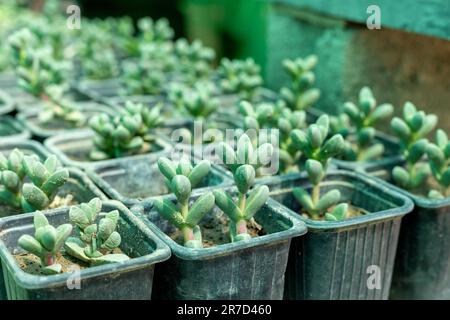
[275, 115]
[412, 131]
[142, 78]
[300, 95]
[196, 102]
[363, 117]
[439, 160]
[242, 163]
[318, 150]
[101, 65]
[29, 184]
[193, 61]
[242, 77]
[151, 117]
[181, 179]
[46, 243]
[155, 31]
[96, 240]
[116, 136]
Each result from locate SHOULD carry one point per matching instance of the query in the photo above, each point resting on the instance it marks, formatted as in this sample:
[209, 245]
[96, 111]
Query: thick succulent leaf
[78, 217]
[30, 244]
[245, 150]
[112, 242]
[62, 233]
[113, 216]
[339, 213]
[441, 138]
[315, 137]
[409, 110]
[304, 199]
[227, 205]
[257, 198]
[226, 154]
[202, 206]
[417, 150]
[39, 220]
[168, 211]
[328, 200]
[105, 228]
[95, 206]
[315, 171]
[109, 258]
[401, 129]
[381, 112]
[51, 164]
[181, 187]
[47, 237]
[74, 249]
[435, 155]
[401, 177]
[244, 178]
[299, 139]
[184, 167]
[373, 152]
[34, 197]
[334, 147]
[53, 269]
[55, 181]
[436, 195]
[246, 109]
[445, 178]
[428, 125]
[199, 172]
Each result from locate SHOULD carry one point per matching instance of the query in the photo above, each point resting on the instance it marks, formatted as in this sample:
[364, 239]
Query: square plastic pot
[11, 129]
[252, 269]
[26, 102]
[390, 159]
[97, 90]
[335, 260]
[26, 146]
[6, 103]
[42, 131]
[73, 147]
[139, 179]
[132, 279]
[422, 265]
[79, 186]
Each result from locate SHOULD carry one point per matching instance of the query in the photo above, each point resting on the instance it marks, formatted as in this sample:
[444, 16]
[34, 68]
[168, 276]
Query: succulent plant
[116, 136]
[151, 117]
[300, 95]
[44, 181]
[439, 159]
[242, 164]
[142, 78]
[412, 132]
[194, 61]
[363, 117]
[242, 77]
[155, 31]
[275, 115]
[101, 65]
[318, 150]
[181, 179]
[46, 243]
[197, 102]
[96, 240]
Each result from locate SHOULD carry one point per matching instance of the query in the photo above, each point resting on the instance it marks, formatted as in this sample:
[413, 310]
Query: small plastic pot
[422, 269]
[97, 90]
[6, 103]
[11, 129]
[79, 186]
[42, 131]
[139, 179]
[73, 148]
[26, 146]
[390, 159]
[335, 260]
[132, 279]
[26, 102]
[252, 269]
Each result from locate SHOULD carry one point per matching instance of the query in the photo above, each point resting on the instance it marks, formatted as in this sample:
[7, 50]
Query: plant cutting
[181, 179]
[241, 77]
[96, 239]
[300, 95]
[318, 150]
[412, 131]
[46, 243]
[45, 178]
[242, 164]
[278, 115]
[361, 144]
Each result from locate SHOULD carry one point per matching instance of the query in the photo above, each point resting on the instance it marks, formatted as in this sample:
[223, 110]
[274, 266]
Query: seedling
[142, 78]
[46, 243]
[101, 65]
[242, 77]
[278, 115]
[363, 118]
[96, 240]
[44, 181]
[116, 136]
[155, 31]
[181, 179]
[242, 164]
[300, 95]
[197, 102]
[412, 131]
[439, 159]
[318, 151]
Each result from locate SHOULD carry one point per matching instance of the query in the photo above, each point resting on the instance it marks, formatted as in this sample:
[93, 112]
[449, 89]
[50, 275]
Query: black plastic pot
[132, 279]
[11, 129]
[73, 148]
[334, 260]
[390, 159]
[26, 146]
[26, 102]
[43, 131]
[139, 179]
[6, 103]
[252, 269]
[79, 186]
[422, 268]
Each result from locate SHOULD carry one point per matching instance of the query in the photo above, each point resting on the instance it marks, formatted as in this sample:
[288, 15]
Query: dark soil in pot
[332, 261]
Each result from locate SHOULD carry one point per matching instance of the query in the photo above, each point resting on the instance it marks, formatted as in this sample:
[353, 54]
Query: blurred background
[408, 59]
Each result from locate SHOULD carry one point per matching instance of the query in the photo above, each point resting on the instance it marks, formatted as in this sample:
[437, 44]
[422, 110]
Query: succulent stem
[316, 193]
[242, 201]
